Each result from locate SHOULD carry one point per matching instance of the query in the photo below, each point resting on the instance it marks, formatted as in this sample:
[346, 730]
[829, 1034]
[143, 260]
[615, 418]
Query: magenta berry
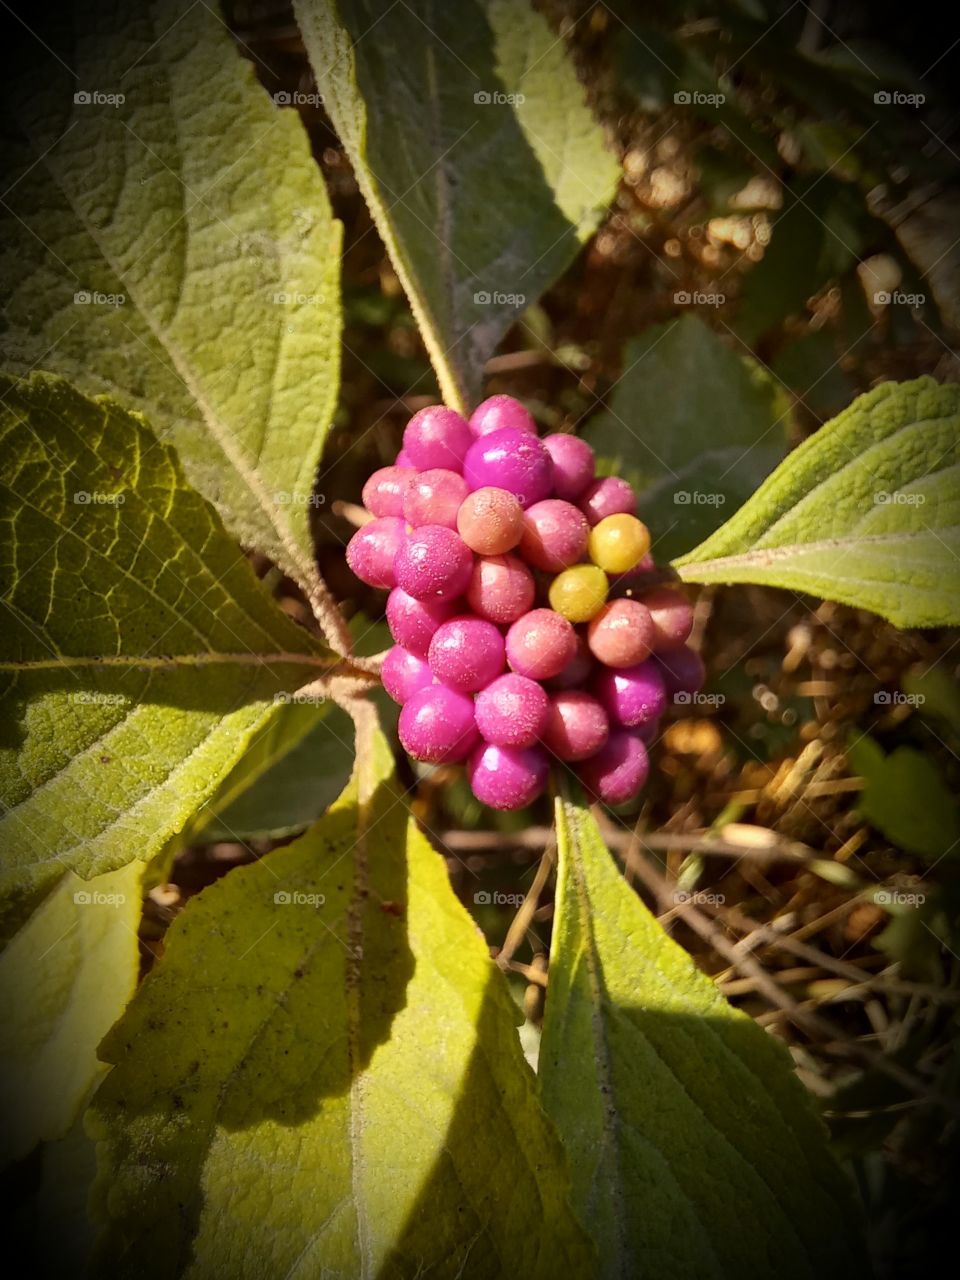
[507, 777]
[466, 653]
[434, 497]
[573, 465]
[404, 460]
[437, 437]
[511, 711]
[373, 550]
[512, 460]
[554, 536]
[672, 615]
[437, 725]
[610, 496]
[632, 696]
[540, 644]
[434, 563]
[498, 412]
[404, 674]
[576, 726]
[383, 492]
[683, 670]
[412, 622]
[619, 770]
[501, 589]
[621, 634]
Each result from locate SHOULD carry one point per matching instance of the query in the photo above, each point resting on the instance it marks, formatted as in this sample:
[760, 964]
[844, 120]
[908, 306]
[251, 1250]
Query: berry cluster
[517, 633]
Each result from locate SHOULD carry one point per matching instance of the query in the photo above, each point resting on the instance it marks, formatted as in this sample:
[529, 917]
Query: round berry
[672, 615]
[511, 711]
[437, 726]
[619, 543]
[507, 777]
[555, 535]
[579, 593]
[437, 437]
[683, 670]
[466, 653]
[434, 563]
[490, 521]
[610, 496]
[573, 465]
[501, 589]
[404, 674]
[574, 674]
[498, 412]
[540, 644]
[434, 497]
[618, 771]
[412, 622]
[632, 696]
[512, 460]
[372, 551]
[383, 492]
[403, 459]
[576, 727]
[621, 635]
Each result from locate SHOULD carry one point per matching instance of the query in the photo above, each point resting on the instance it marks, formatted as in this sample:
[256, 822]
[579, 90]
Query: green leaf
[936, 693]
[867, 512]
[64, 980]
[197, 202]
[140, 656]
[906, 798]
[675, 1109]
[344, 1093]
[481, 203]
[694, 426]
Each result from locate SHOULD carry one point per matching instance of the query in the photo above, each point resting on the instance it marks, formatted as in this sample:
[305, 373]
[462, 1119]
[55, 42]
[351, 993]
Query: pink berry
[490, 521]
[610, 496]
[617, 772]
[434, 497]
[434, 563]
[437, 437]
[621, 634]
[383, 492]
[672, 615]
[404, 674]
[576, 727]
[632, 696]
[683, 670]
[573, 465]
[511, 711]
[574, 675]
[555, 535]
[403, 459]
[540, 644]
[501, 589]
[511, 460]
[466, 653]
[498, 412]
[507, 777]
[437, 725]
[372, 551]
[413, 622]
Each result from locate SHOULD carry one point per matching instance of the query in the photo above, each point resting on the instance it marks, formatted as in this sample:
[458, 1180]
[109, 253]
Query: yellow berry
[619, 543]
[579, 592]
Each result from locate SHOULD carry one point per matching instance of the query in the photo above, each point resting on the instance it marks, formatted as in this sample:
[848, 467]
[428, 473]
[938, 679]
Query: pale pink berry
[437, 437]
[621, 634]
[576, 725]
[573, 465]
[383, 492]
[540, 644]
[617, 773]
[498, 412]
[555, 535]
[434, 497]
[372, 551]
[511, 711]
[611, 496]
[437, 725]
[466, 653]
[434, 563]
[501, 589]
[404, 673]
